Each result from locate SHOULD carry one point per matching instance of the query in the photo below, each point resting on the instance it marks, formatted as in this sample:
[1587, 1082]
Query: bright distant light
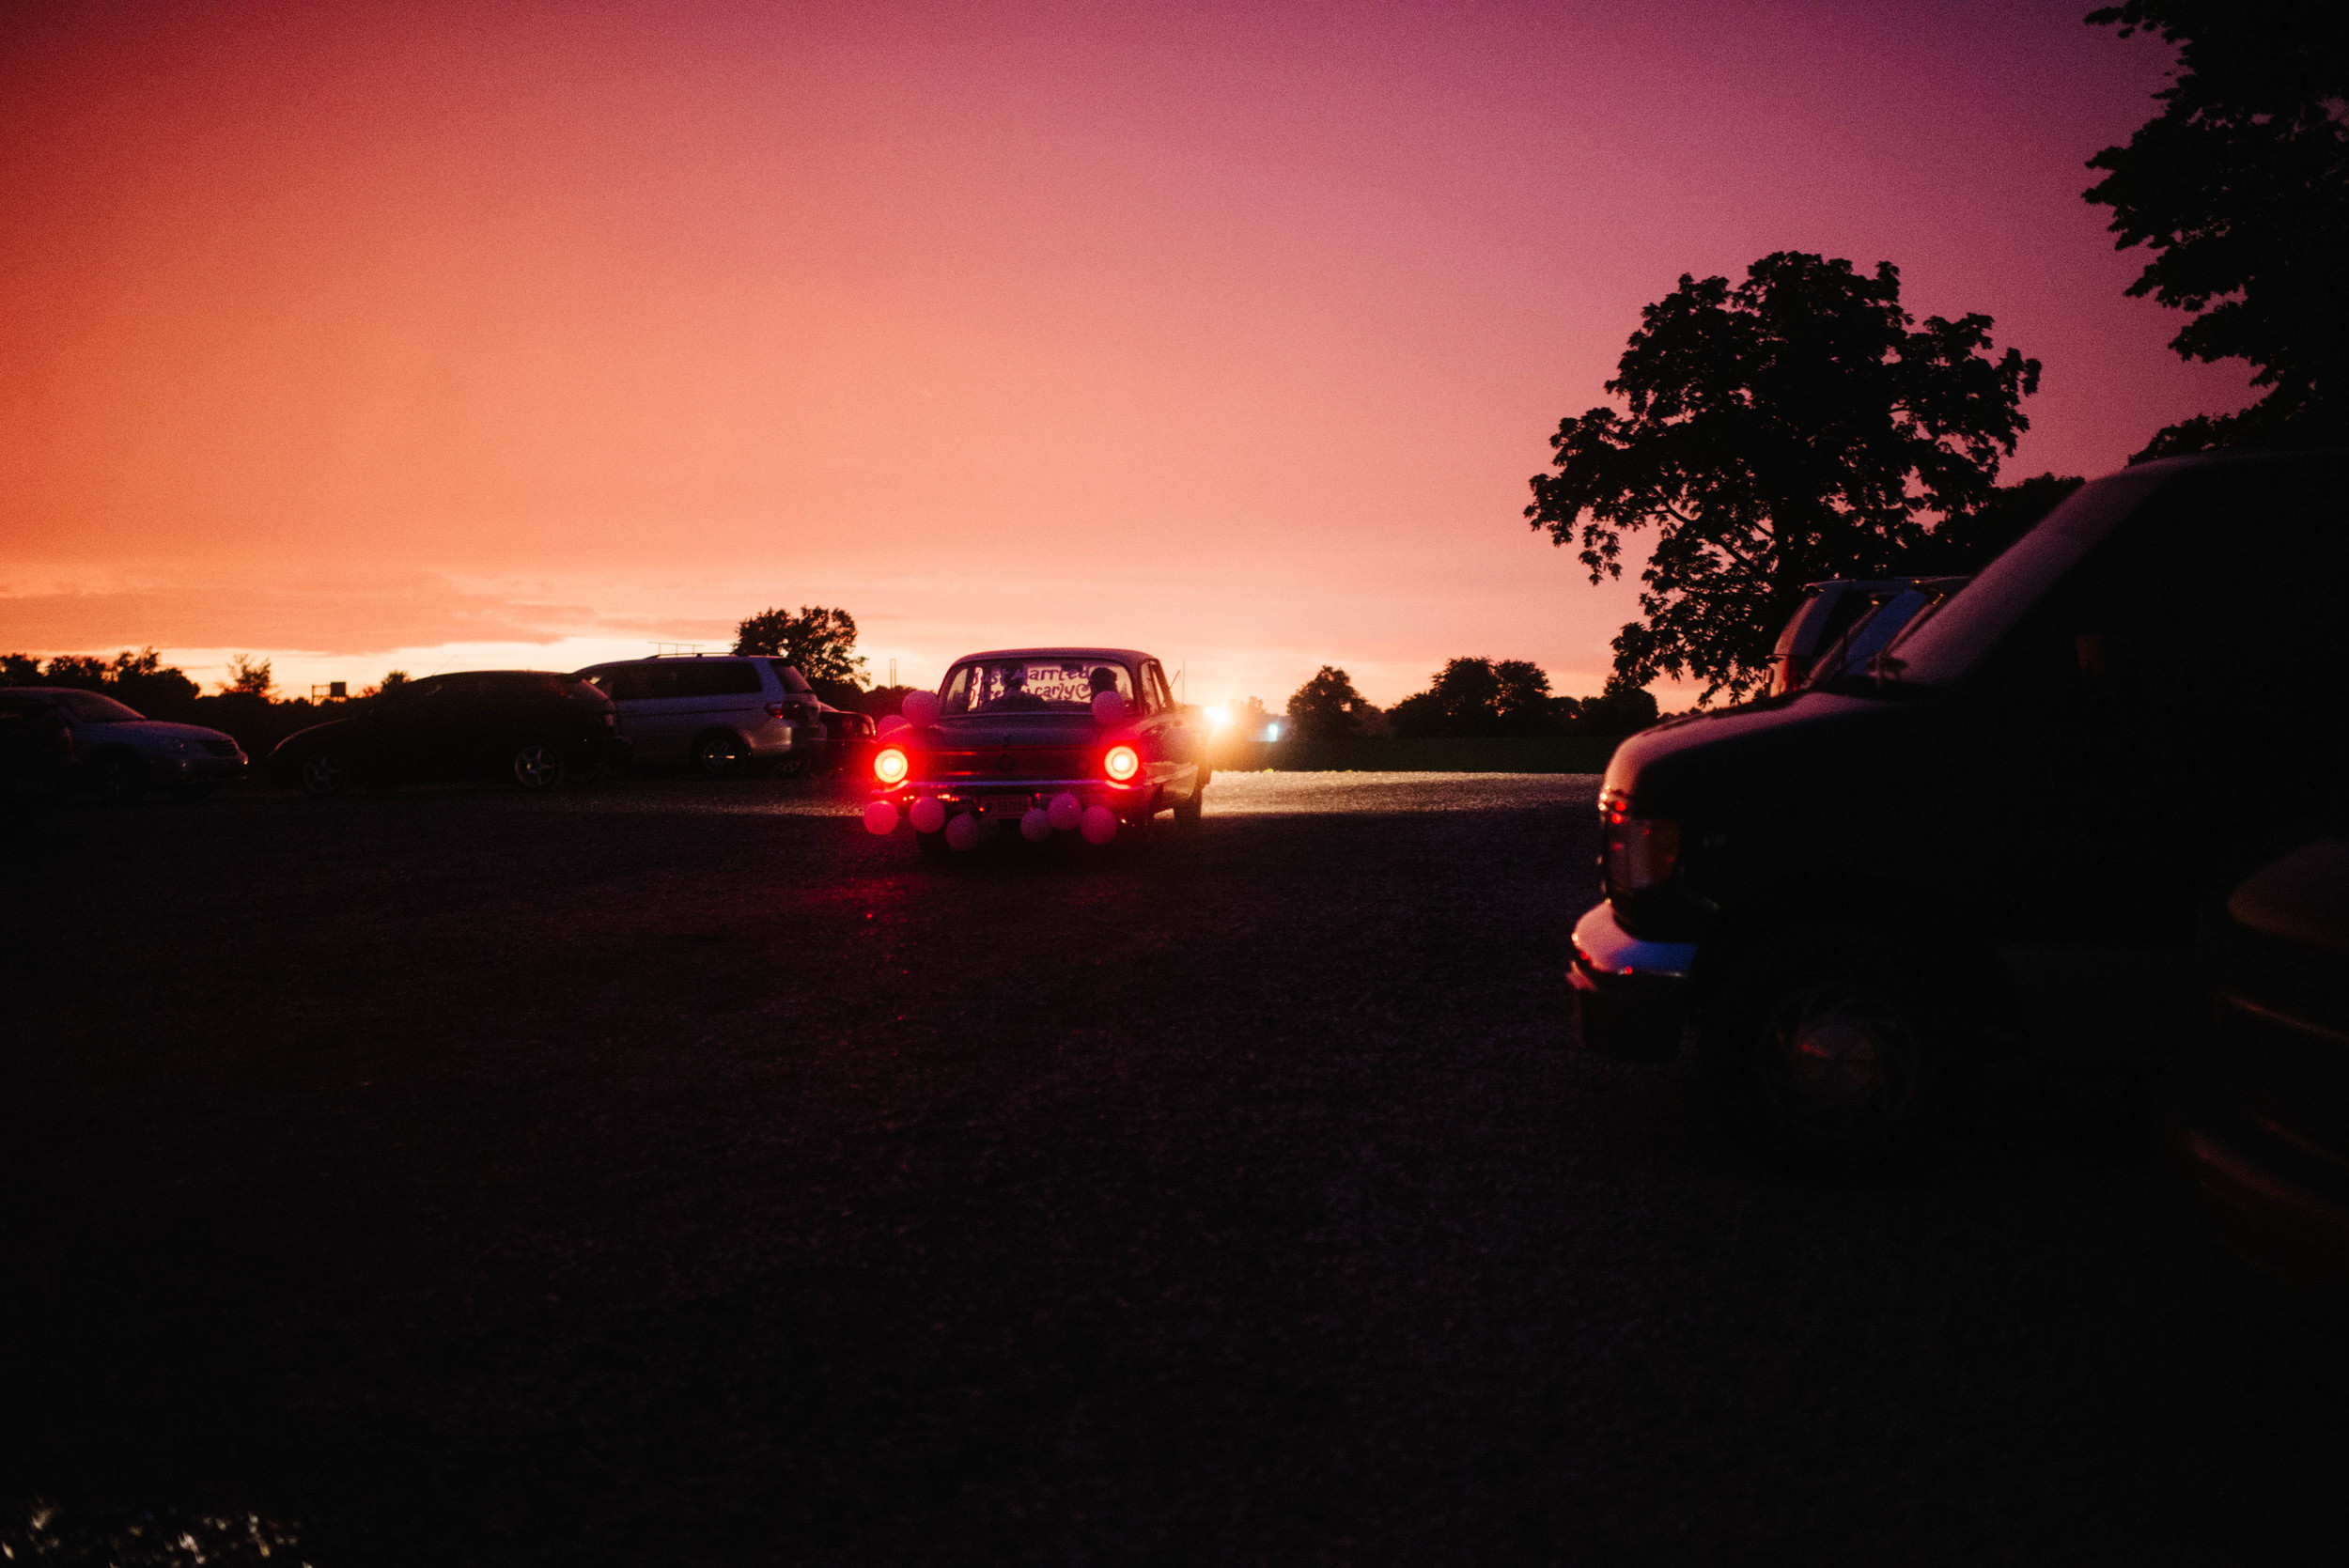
[1273, 731]
[1218, 718]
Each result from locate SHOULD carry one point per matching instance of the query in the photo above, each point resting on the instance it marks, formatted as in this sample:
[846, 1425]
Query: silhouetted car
[36, 758]
[1044, 739]
[1998, 836]
[120, 753]
[2267, 1129]
[1875, 630]
[527, 727]
[1827, 611]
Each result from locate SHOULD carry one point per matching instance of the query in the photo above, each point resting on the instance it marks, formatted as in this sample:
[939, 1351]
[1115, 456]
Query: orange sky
[448, 335]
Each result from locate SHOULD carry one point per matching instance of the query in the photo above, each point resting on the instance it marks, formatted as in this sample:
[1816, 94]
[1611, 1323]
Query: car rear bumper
[998, 795]
[1630, 996]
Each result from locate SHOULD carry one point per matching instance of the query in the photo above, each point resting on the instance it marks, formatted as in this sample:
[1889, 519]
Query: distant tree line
[1468, 698]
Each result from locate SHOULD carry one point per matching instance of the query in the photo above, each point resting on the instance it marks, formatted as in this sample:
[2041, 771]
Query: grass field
[1546, 753]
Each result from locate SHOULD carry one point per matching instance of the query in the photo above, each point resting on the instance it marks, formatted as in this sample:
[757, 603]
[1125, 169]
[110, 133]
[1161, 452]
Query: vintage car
[1049, 741]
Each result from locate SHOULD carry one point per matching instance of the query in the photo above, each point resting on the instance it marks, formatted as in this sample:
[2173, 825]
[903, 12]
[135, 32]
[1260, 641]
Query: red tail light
[890, 764]
[1122, 763]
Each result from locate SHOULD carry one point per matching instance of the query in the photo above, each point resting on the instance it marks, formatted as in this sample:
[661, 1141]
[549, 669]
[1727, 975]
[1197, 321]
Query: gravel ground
[674, 1173]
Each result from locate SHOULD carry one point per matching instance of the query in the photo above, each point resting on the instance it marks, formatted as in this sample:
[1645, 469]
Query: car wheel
[1838, 1057]
[718, 755]
[323, 773]
[117, 776]
[537, 767]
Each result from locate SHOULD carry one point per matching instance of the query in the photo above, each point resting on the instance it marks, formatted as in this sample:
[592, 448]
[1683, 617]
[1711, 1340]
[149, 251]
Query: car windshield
[88, 708]
[1033, 683]
[1939, 649]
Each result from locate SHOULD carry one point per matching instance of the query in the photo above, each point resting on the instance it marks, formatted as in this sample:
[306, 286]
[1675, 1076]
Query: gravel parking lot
[669, 1173]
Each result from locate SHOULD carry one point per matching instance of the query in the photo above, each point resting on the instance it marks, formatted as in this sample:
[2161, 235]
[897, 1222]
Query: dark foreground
[652, 1174]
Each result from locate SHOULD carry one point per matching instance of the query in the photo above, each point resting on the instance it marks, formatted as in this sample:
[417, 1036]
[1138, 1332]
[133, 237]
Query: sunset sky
[446, 336]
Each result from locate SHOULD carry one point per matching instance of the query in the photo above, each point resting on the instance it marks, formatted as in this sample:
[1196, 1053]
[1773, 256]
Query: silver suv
[720, 714]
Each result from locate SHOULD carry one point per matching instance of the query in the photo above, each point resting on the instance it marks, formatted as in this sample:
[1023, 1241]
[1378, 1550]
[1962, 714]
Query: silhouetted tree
[20, 669]
[1480, 696]
[248, 676]
[69, 669]
[2240, 186]
[144, 681]
[1791, 428]
[1324, 707]
[820, 643]
[1621, 709]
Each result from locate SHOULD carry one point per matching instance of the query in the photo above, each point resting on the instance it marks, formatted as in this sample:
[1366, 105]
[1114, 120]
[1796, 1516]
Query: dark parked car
[1827, 611]
[527, 727]
[120, 753]
[1998, 836]
[2267, 1113]
[1047, 740]
[36, 758]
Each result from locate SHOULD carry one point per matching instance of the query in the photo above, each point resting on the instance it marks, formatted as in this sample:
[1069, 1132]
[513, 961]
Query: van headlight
[1640, 851]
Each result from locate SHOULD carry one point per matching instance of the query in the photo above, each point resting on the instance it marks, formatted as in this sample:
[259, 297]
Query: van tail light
[778, 710]
[1122, 763]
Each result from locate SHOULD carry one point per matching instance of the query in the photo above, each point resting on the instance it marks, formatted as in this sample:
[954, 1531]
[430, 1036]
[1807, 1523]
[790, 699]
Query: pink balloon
[920, 709]
[963, 831]
[1035, 827]
[1100, 825]
[1108, 707]
[890, 726]
[880, 817]
[1064, 812]
[928, 815]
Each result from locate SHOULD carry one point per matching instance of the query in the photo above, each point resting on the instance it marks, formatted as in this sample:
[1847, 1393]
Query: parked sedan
[527, 727]
[120, 753]
[1047, 740]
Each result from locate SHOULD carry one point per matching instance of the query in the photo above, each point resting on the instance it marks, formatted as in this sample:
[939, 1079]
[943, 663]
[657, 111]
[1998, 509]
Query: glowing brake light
[1122, 763]
[890, 766]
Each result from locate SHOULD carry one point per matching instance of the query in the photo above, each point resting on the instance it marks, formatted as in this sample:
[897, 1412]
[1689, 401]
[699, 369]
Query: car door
[1177, 742]
[407, 734]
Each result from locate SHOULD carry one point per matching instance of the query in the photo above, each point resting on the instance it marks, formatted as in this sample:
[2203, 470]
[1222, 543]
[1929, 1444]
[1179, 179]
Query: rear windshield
[1034, 683]
[1943, 647]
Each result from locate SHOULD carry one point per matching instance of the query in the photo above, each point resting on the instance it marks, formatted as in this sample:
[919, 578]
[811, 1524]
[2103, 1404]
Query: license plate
[995, 804]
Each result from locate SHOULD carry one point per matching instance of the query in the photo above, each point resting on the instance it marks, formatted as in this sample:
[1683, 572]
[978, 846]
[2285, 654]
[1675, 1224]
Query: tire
[537, 766]
[117, 776]
[720, 754]
[1836, 1055]
[324, 773]
[1187, 815]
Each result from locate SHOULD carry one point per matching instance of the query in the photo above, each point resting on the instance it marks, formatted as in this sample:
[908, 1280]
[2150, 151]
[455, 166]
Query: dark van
[1996, 834]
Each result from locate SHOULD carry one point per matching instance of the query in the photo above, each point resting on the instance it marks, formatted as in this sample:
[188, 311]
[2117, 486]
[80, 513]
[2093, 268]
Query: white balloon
[963, 831]
[920, 709]
[880, 817]
[1066, 812]
[928, 815]
[1100, 822]
[1037, 825]
[890, 726]
[1108, 707]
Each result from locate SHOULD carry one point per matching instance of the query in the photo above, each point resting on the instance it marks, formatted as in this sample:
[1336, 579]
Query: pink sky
[436, 335]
